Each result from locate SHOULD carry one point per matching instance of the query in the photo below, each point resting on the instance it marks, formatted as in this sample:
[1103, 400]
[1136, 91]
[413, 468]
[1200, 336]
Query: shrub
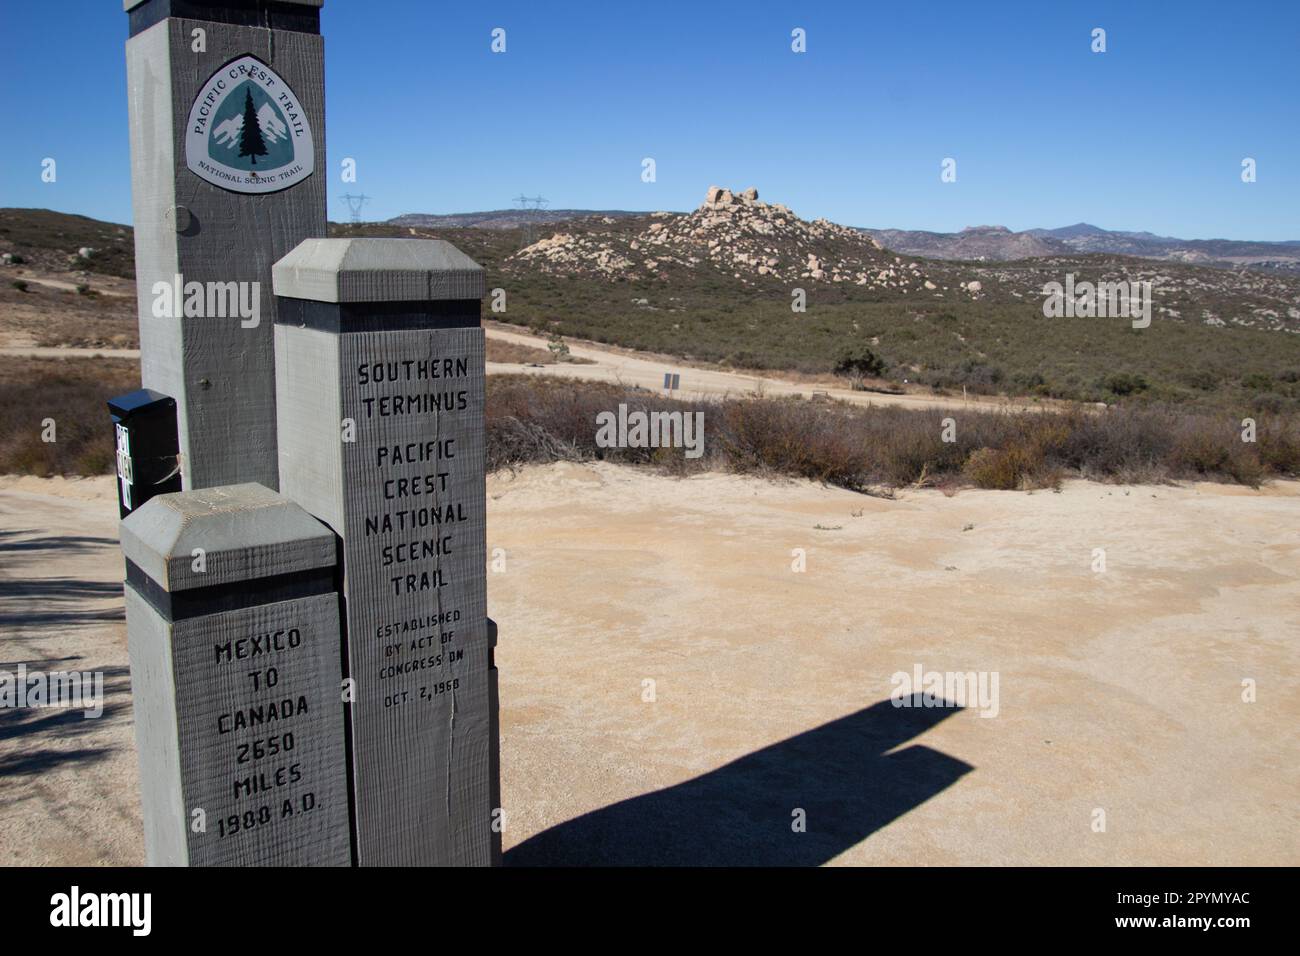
[994, 468]
[555, 342]
[1279, 447]
[1124, 383]
[533, 419]
[70, 391]
[979, 376]
[1200, 453]
[1200, 379]
[1267, 404]
[857, 363]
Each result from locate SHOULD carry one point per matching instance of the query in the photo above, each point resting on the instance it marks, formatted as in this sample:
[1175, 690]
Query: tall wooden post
[227, 175]
[380, 376]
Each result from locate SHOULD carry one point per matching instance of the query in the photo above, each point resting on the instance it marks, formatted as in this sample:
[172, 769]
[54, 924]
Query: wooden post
[216, 201]
[233, 630]
[379, 380]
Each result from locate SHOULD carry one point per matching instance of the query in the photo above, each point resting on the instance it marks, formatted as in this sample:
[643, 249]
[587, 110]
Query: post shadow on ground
[62, 544]
[840, 774]
[57, 602]
[47, 733]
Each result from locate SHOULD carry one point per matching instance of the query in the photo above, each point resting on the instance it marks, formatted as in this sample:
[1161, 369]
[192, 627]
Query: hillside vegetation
[716, 286]
[55, 240]
[532, 419]
[883, 448]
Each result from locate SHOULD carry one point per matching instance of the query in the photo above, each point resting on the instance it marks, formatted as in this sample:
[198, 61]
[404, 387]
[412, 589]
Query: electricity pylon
[354, 206]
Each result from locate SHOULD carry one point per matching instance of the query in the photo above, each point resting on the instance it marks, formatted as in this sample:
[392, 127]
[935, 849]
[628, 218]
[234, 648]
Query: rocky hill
[715, 285]
[60, 242]
[974, 243]
[735, 238]
[734, 234]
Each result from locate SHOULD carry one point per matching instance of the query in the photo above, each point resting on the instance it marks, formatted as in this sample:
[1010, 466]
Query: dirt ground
[50, 312]
[674, 691]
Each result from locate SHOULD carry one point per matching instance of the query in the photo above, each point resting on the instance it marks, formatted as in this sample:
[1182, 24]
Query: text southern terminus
[406, 372]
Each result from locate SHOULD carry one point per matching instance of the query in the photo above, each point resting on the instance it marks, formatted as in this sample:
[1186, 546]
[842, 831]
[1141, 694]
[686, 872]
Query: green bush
[858, 362]
[1124, 383]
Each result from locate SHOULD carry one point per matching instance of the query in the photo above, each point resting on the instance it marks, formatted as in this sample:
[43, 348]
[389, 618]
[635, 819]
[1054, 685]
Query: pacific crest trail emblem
[247, 130]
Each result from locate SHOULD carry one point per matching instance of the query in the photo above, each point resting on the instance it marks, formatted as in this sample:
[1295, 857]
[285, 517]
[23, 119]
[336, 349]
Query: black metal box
[148, 447]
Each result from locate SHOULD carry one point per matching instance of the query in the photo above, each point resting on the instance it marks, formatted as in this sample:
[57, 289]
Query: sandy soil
[1119, 691]
[69, 789]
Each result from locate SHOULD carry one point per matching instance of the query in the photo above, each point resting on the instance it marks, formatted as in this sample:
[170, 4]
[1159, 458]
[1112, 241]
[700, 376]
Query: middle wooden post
[379, 395]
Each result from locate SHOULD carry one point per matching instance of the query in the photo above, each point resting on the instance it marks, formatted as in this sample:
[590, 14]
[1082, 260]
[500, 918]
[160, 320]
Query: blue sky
[1148, 135]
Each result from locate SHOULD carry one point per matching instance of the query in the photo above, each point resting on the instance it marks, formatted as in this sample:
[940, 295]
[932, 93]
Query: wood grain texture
[421, 755]
[244, 532]
[296, 800]
[378, 270]
[153, 701]
[311, 421]
[423, 748]
[216, 694]
[494, 761]
[221, 374]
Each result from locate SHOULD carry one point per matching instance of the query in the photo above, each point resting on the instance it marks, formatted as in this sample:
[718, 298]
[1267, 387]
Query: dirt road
[68, 784]
[628, 368]
[675, 689]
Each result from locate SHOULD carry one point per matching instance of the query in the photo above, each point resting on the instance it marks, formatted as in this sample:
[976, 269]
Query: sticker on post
[247, 131]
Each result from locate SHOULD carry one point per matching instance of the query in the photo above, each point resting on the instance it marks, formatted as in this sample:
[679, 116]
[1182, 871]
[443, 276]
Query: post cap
[128, 5]
[244, 531]
[377, 270]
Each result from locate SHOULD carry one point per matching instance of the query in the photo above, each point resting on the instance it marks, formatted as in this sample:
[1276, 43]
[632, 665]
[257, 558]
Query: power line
[536, 204]
[354, 205]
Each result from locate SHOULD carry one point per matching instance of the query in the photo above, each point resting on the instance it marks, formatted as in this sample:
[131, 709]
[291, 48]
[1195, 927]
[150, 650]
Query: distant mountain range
[998, 243]
[974, 244]
[502, 218]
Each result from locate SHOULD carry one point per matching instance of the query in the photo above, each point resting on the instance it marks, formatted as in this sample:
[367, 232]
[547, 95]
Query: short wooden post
[233, 632]
[226, 105]
[379, 382]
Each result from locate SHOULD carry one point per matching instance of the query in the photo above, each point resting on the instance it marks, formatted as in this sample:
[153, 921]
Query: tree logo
[247, 130]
